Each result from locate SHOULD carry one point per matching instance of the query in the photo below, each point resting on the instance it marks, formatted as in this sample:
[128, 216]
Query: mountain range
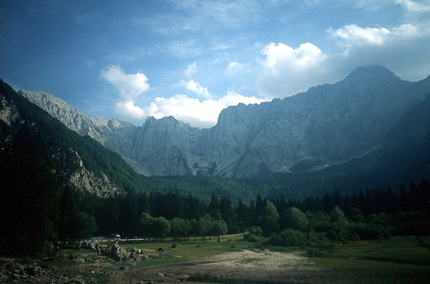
[327, 125]
[370, 129]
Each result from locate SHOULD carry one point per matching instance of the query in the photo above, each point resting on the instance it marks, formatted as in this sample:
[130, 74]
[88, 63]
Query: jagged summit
[376, 71]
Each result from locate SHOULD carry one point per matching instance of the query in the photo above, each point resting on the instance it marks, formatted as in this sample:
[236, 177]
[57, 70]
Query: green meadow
[395, 260]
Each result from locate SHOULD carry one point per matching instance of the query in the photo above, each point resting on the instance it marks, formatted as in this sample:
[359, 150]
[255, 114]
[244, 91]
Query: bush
[256, 230]
[370, 232]
[317, 240]
[290, 237]
[253, 238]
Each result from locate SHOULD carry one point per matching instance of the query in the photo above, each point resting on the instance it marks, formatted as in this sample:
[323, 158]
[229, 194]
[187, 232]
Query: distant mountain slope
[327, 125]
[77, 160]
[402, 156]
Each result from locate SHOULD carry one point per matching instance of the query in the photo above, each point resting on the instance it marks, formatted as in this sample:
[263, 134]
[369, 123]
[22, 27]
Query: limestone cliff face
[89, 182]
[329, 124]
[8, 112]
[73, 118]
[166, 146]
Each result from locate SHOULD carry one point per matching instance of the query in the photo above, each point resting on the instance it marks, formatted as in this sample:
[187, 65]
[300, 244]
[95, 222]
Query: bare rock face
[168, 142]
[73, 118]
[327, 125]
[8, 112]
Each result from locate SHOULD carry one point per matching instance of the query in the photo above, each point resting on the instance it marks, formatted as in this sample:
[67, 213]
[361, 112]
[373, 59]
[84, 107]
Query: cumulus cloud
[129, 86]
[198, 113]
[288, 71]
[305, 56]
[196, 88]
[387, 47]
[128, 111]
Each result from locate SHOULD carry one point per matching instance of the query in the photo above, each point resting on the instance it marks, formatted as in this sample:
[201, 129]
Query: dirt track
[233, 267]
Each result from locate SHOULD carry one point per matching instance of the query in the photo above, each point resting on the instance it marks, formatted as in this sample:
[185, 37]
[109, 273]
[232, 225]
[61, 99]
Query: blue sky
[190, 59]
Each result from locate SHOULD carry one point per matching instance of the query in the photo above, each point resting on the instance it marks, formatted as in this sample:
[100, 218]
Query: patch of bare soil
[233, 267]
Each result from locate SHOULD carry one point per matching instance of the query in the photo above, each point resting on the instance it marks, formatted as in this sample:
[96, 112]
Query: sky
[190, 59]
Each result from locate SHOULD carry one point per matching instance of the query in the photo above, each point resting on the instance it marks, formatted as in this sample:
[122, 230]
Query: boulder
[125, 255]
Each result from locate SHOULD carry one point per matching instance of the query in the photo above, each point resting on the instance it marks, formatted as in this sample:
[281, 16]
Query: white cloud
[287, 71]
[129, 86]
[197, 113]
[196, 88]
[352, 35]
[305, 56]
[191, 70]
[128, 111]
[412, 6]
[360, 36]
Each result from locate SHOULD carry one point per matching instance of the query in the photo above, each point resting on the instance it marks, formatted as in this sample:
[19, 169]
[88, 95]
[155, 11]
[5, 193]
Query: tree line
[374, 213]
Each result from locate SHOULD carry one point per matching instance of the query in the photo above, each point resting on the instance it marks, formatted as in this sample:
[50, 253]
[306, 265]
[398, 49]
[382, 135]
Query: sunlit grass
[396, 260]
[397, 249]
[188, 250]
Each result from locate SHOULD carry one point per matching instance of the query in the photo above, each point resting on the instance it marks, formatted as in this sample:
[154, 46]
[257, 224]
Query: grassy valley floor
[397, 260]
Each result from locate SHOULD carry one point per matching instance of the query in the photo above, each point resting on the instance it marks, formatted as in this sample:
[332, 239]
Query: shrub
[253, 238]
[320, 245]
[370, 231]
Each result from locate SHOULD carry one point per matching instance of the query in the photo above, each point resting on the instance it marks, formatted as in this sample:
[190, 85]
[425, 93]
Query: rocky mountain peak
[373, 71]
[167, 121]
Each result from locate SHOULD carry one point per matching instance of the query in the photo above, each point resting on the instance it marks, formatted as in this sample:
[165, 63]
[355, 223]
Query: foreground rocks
[35, 272]
[118, 253]
[91, 262]
[82, 266]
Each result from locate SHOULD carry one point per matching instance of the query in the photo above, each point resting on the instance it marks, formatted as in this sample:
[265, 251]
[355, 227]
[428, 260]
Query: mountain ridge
[327, 125]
